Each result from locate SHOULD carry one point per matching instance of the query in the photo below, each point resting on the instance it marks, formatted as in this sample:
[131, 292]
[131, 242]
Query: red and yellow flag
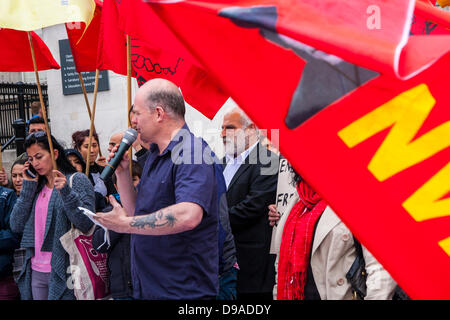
[378, 153]
[386, 171]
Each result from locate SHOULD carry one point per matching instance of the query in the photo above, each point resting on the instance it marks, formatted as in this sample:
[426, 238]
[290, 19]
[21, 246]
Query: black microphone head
[130, 136]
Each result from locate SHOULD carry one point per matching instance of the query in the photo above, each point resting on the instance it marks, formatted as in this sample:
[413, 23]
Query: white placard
[285, 191]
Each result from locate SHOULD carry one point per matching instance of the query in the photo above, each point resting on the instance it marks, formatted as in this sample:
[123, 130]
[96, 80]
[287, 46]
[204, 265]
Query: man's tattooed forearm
[154, 220]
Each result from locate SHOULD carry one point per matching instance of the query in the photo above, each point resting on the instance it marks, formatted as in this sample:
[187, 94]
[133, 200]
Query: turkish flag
[84, 39]
[15, 55]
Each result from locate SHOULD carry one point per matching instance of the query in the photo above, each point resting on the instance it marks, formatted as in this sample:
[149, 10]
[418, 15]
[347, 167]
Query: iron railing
[15, 101]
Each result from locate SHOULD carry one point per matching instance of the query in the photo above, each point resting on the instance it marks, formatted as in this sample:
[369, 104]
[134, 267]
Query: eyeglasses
[37, 135]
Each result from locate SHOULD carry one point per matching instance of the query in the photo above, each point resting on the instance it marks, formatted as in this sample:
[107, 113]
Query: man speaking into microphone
[173, 215]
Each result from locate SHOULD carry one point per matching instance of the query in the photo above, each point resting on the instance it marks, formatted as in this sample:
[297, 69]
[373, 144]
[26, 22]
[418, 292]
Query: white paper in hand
[91, 216]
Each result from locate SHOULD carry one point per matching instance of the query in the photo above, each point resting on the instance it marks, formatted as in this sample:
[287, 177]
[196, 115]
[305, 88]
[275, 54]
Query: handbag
[88, 268]
[357, 274]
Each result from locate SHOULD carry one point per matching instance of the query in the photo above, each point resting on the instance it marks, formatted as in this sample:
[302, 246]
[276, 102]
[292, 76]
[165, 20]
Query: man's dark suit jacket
[251, 190]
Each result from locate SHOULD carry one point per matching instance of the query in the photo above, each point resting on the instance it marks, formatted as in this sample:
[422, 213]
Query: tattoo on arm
[154, 220]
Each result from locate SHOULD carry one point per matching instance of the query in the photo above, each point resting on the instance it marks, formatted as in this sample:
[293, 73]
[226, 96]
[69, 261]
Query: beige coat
[333, 253]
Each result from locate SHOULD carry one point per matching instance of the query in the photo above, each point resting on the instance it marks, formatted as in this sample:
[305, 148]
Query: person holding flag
[45, 211]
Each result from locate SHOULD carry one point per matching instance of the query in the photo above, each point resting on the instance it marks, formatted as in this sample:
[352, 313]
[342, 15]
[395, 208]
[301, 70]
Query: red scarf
[296, 243]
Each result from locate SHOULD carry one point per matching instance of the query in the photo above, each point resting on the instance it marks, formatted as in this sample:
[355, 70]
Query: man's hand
[274, 215]
[3, 178]
[101, 161]
[60, 179]
[25, 175]
[124, 163]
[117, 219]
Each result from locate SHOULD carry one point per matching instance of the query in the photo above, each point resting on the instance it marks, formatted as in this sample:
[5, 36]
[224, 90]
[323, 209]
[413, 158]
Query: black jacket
[141, 157]
[250, 192]
[118, 261]
[9, 241]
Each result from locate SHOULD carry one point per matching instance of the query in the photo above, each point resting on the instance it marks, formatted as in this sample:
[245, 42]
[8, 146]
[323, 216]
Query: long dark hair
[79, 136]
[40, 138]
[77, 154]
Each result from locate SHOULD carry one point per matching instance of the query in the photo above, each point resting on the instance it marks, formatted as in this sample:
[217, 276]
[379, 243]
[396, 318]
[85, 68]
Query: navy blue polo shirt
[183, 265]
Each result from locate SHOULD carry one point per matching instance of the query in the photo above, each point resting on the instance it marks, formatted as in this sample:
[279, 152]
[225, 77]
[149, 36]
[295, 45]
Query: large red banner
[379, 154]
[428, 20]
[153, 56]
[380, 157]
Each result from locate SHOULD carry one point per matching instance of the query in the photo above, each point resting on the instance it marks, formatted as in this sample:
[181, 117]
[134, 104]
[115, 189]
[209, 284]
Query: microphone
[129, 137]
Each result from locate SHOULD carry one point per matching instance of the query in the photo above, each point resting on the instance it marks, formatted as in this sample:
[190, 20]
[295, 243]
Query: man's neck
[50, 180]
[168, 136]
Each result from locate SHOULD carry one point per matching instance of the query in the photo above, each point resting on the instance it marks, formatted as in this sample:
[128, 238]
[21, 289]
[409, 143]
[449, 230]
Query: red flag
[151, 61]
[112, 43]
[156, 53]
[273, 69]
[355, 31]
[84, 41]
[15, 55]
[371, 34]
[436, 15]
[384, 208]
[422, 23]
[224, 41]
[199, 90]
[385, 171]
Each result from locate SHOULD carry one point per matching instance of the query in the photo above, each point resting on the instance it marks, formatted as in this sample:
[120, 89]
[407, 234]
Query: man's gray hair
[245, 120]
[172, 102]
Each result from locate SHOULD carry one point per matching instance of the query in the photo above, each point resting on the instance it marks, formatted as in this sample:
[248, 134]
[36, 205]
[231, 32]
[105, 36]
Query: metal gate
[15, 101]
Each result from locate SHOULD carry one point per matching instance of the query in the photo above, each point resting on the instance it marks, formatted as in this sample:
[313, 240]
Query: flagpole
[91, 130]
[88, 107]
[130, 151]
[41, 99]
[85, 95]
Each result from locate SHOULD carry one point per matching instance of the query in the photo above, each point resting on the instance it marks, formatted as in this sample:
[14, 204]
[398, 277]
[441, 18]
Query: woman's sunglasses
[36, 135]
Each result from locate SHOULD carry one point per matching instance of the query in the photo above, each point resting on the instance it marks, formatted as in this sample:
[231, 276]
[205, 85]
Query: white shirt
[233, 164]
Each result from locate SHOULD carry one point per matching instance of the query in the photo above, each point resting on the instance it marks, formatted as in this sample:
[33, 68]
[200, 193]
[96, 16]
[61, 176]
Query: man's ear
[160, 113]
[251, 127]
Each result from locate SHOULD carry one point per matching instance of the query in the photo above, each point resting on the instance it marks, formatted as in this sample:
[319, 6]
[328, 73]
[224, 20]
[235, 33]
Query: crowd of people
[183, 225]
